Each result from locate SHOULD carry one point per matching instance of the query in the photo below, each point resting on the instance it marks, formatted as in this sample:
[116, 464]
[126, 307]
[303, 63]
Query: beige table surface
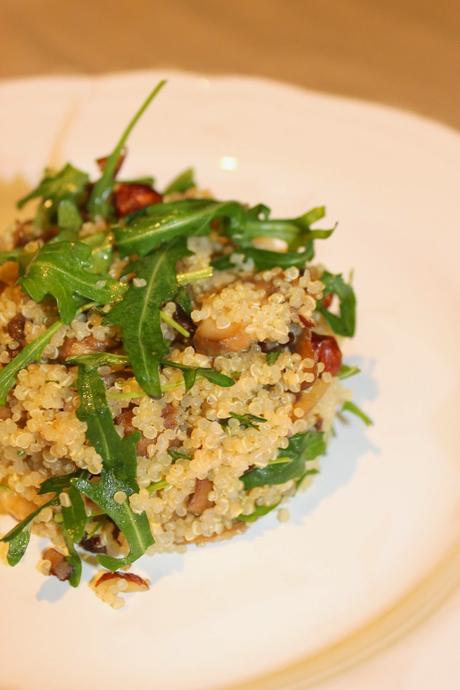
[402, 52]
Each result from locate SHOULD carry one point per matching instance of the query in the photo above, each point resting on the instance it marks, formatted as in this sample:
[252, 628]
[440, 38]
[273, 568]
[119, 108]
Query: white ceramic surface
[386, 506]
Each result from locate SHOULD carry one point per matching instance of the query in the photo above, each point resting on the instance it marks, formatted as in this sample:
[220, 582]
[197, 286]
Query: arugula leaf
[347, 371]
[118, 454]
[73, 527]
[259, 512]
[192, 373]
[272, 356]
[101, 244]
[349, 406]
[345, 322]
[178, 454]
[302, 448]
[73, 559]
[30, 353]
[68, 183]
[135, 527]
[74, 516]
[265, 259]
[97, 359]
[184, 181]
[59, 483]
[295, 231]
[99, 202]
[247, 421]
[62, 269]
[138, 314]
[18, 537]
[161, 223]
[68, 215]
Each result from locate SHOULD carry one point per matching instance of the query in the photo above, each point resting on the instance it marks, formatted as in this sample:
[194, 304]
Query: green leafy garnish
[347, 371]
[138, 314]
[74, 521]
[190, 374]
[184, 181]
[59, 483]
[302, 448]
[101, 244]
[30, 353]
[63, 270]
[272, 357]
[349, 406]
[18, 537]
[68, 216]
[118, 454]
[135, 528]
[119, 468]
[99, 202]
[343, 323]
[68, 184]
[296, 232]
[157, 486]
[165, 222]
[247, 421]
[98, 359]
[179, 454]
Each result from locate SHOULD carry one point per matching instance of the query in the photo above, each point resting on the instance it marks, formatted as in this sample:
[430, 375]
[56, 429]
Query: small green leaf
[68, 183]
[59, 483]
[98, 359]
[99, 202]
[179, 454]
[118, 454]
[265, 259]
[343, 323]
[354, 409]
[20, 534]
[347, 371]
[18, 546]
[62, 269]
[162, 223]
[184, 181]
[191, 373]
[246, 421]
[135, 527]
[74, 516]
[272, 356]
[69, 217]
[30, 353]
[302, 448]
[138, 314]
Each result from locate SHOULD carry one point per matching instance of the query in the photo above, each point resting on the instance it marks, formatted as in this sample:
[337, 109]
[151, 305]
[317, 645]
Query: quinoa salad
[171, 368]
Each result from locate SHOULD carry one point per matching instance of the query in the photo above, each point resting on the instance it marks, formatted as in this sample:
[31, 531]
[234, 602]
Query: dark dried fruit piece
[129, 198]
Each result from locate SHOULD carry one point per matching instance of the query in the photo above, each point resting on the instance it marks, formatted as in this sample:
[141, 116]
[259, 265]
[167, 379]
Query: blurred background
[402, 52]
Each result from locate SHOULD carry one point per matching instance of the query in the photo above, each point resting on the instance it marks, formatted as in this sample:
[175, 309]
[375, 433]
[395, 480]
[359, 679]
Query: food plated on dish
[172, 368]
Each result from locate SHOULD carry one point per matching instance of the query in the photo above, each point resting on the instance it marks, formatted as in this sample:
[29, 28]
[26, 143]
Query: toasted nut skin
[136, 583]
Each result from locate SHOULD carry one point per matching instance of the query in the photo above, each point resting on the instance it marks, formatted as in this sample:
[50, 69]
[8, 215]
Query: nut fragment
[199, 501]
[109, 586]
[60, 566]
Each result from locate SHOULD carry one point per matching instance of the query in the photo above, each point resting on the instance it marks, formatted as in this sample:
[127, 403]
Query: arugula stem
[99, 200]
[171, 322]
[194, 276]
[157, 486]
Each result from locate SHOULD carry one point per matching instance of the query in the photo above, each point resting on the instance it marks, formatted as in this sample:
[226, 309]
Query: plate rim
[421, 601]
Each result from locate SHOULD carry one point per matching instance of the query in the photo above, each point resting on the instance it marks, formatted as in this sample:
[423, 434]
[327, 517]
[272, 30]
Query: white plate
[385, 509]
